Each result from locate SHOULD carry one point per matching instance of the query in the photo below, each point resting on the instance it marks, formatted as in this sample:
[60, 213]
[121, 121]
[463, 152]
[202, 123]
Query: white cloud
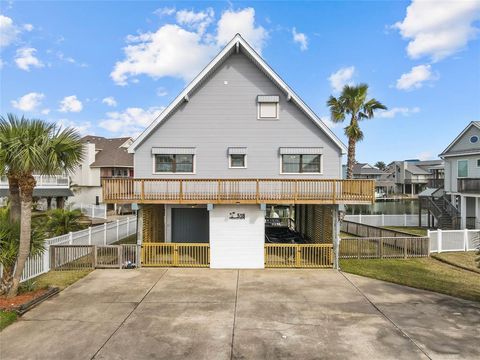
[199, 21]
[341, 78]
[301, 39]
[45, 111]
[165, 11]
[25, 58]
[439, 28]
[181, 50]
[8, 31]
[161, 91]
[61, 56]
[243, 23]
[28, 102]
[28, 27]
[415, 78]
[425, 155]
[131, 121]
[2, 64]
[393, 112]
[84, 128]
[110, 101]
[70, 104]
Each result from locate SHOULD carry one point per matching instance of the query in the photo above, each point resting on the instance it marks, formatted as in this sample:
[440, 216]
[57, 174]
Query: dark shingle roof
[109, 151]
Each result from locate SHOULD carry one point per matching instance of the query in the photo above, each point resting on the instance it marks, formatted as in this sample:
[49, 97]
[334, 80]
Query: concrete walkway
[247, 314]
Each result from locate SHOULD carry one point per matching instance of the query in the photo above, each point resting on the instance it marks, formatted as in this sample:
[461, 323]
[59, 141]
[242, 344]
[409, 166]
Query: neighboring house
[103, 159]
[48, 188]
[383, 185]
[236, 140]
[462, 174]
[411, 177]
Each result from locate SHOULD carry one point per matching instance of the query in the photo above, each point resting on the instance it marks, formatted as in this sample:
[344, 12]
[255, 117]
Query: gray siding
[219, 116]
[451, 170]
[463, 143]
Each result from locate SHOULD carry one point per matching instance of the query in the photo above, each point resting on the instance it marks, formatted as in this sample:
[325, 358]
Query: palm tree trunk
[350, 157]
[26, 186]
[7, 277]
[14, 197]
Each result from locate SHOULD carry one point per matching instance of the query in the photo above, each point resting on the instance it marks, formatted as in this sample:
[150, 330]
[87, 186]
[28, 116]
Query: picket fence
[93, 211]
[387, 220]
[105, 234]
[453, 240]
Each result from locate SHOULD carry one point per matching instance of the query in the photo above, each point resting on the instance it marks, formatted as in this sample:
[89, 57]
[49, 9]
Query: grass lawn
[411, 230]
[7, 318]
[461, 259]
[422, 273]
[60, 279]
[132, 239]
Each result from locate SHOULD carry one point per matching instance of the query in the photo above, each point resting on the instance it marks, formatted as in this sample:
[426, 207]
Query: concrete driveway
[246, 314]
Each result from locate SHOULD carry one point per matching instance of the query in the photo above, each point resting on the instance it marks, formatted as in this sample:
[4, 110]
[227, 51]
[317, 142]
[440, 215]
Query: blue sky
[108, 68]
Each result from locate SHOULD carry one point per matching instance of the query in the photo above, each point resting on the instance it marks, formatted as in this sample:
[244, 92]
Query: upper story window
[237, 157]
[474, 139]
[119, 172]
[268, 108]
[301, 160]
[462, 168]
[173, 160]
[174, 163]
[478, 162]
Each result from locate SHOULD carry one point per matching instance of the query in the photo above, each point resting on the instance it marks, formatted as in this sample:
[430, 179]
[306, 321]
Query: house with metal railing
[234, 153]
[48, 187]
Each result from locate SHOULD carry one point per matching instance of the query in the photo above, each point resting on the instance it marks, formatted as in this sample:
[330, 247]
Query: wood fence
[384, 247]
[364, 230]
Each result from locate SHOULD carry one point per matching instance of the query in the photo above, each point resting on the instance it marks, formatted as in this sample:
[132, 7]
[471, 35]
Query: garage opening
[190, 225]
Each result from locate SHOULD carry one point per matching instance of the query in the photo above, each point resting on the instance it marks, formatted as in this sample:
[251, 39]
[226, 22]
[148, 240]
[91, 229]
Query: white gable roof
[237, 44]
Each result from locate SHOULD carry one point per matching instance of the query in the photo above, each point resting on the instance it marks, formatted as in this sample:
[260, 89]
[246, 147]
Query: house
[103, 158]
[48, 188]
[411, 177]
[462, 175]
[383, 185]
[236, 141]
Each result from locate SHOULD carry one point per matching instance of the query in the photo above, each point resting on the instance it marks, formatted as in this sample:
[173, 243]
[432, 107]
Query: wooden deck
[238, 191]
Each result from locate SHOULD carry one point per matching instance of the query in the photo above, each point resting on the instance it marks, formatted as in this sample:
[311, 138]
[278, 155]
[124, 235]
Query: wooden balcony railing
[469, 185]
[231, 191]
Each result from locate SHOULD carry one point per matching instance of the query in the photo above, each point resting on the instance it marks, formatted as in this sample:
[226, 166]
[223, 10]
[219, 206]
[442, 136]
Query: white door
[237, 237]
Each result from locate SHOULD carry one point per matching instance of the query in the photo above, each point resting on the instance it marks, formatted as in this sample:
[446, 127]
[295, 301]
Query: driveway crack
[234, 316]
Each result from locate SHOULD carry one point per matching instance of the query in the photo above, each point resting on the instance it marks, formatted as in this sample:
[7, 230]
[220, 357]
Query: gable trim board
[473, 123]
[235, 45]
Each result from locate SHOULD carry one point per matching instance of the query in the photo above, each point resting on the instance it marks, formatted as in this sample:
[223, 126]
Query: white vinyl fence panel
[387, 220]
[97, 235]
[453, 240]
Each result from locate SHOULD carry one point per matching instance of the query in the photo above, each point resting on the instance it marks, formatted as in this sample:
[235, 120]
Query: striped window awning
[173, 150]
[301, 150]
[268, 98]
[237, 150]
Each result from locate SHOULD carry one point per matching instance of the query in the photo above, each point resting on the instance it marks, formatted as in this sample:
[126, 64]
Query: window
[238, 160]
[296, 163]
[119, 172]
[462, 168]
[175, 163]
[268, 110]
[474, 139]
[478, 162]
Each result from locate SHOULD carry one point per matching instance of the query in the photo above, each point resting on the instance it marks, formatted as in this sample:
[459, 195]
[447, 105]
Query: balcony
[43, 181]
[436, 183]
[468, 185]
[238, 191]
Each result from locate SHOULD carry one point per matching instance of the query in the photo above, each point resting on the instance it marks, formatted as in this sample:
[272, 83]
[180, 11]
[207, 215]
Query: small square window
[268, 110]
[238, 161]
[478, 162]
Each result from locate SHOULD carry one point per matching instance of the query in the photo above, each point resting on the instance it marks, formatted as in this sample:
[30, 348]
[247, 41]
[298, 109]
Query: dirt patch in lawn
[16, 302]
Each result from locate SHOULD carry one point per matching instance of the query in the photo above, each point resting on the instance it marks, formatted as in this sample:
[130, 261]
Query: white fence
[105, 234]
[453, 240]
[93, 211]
[387, 220]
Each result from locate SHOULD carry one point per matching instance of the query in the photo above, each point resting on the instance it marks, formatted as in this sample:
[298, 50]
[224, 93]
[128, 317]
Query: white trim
[268, 118]
[461, 154]
[175, 173]
[458, 138]
[237, 167]
[471, 137]
[463, 177]
[264, 66]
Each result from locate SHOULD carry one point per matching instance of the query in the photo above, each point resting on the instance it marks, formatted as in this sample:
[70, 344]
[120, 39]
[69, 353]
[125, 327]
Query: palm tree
[63, 221]
[9, 245]
[353, 102]
[381, 165]
[35, 147]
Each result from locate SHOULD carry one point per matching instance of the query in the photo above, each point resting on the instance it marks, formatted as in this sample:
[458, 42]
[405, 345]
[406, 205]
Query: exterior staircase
[446, 214]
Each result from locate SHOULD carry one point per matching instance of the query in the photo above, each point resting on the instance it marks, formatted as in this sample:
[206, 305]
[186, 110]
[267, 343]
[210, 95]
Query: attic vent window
[474, 139]
[268, 107]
